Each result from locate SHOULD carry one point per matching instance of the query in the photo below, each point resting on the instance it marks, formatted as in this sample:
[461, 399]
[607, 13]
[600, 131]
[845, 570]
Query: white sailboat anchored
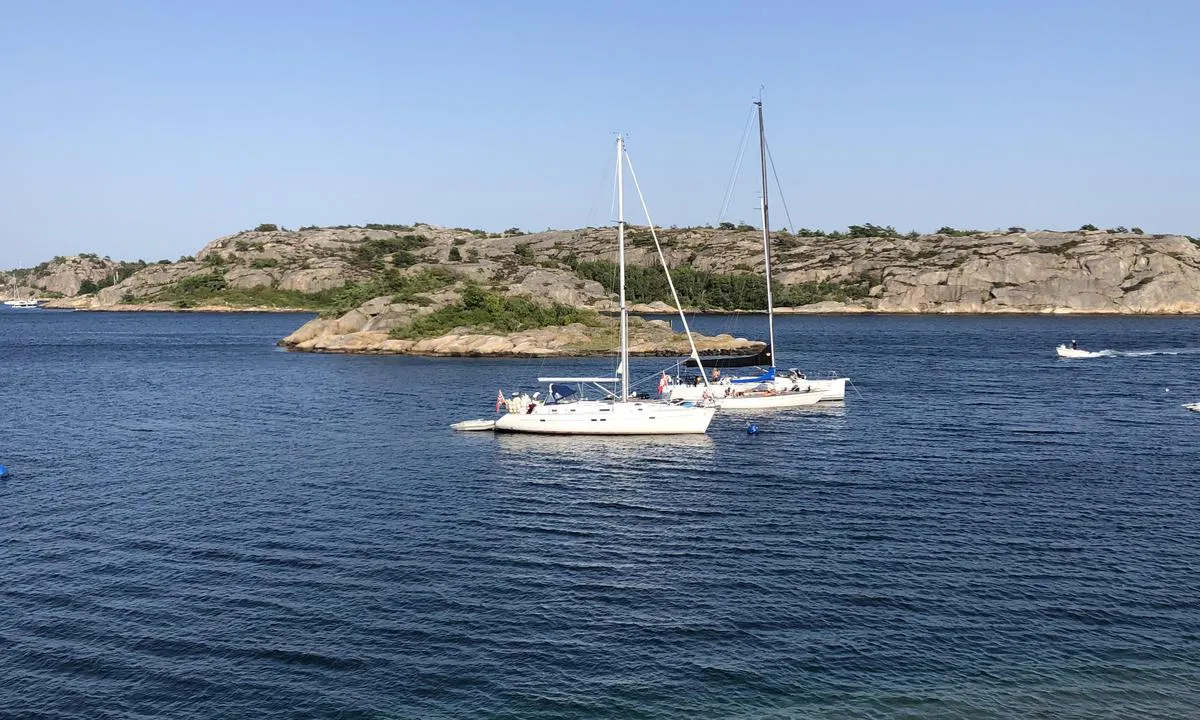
[565, 410]
[20, 303]
[767, 388]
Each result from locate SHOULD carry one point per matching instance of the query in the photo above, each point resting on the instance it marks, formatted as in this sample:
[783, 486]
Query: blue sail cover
[765, 377]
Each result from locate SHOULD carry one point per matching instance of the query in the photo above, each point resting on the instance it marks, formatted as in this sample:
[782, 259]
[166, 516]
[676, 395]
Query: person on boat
[716, 374]
[1074, 345]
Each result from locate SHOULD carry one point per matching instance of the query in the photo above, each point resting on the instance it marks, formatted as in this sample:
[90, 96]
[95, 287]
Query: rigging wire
[663, 259]
[737, 168]
[778, 186]
[605, 172]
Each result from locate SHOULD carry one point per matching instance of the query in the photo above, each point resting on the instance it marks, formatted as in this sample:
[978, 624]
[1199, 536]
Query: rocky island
[433, 290]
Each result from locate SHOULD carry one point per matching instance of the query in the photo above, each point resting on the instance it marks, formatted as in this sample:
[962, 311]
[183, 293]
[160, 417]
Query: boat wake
[1064, 352]
[1149, 353]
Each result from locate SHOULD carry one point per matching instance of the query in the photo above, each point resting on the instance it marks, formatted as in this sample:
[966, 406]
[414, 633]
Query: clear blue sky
[146, 129]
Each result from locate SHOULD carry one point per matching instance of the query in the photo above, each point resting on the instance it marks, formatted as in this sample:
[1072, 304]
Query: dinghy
[479, 425]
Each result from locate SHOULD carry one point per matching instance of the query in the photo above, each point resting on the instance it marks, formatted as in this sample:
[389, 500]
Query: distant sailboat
[20, 303]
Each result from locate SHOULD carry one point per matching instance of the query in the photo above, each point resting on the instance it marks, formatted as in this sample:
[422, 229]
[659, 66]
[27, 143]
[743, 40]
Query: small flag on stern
[499, 399]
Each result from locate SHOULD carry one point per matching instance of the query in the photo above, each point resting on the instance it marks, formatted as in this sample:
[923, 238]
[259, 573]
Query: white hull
[772, 401]
[1194, 407]
[604, 417]
[1075, 353]
[22, 304]
[724, 391]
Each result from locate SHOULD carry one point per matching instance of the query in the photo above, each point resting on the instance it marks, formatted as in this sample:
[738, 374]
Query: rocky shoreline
[646, 338]
[379, 278]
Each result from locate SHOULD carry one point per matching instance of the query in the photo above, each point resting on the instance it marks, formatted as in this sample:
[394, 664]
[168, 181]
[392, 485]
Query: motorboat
[1194, 407]
[1072, 352]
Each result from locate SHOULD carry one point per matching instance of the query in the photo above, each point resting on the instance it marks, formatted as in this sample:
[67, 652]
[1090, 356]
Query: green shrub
[371, 252]
[392, 227]
[454, 255]
[524, 252]
[1087, 227]
[267, 227]
[947, 230]
[261, 263]
[867, 230]
[706, 290]
[485, 311]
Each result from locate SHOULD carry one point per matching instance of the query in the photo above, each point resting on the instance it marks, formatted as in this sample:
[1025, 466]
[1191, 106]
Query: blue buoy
[752, 429]
[3, 472]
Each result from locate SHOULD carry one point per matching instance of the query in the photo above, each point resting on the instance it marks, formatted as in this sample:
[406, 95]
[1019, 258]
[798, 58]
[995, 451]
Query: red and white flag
[499, 399]
[663, 382]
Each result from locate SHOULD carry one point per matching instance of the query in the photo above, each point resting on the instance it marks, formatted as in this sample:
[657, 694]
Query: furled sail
[762, 359]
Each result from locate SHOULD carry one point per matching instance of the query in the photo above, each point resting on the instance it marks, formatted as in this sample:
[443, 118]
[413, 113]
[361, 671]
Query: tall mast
[766, 231]
[623, 367]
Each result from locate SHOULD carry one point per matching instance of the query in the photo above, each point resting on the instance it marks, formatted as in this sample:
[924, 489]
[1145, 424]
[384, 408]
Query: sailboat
[768, 388]
[20, 303]
[566, 412]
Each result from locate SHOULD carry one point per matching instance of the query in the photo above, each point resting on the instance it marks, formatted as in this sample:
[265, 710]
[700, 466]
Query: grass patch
[486, 311]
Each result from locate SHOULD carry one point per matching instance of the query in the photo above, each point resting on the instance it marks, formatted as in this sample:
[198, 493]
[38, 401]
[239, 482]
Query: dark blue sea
[199, 525]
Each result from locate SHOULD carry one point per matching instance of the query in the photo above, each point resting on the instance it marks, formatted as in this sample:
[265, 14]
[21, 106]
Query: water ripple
[199, 526]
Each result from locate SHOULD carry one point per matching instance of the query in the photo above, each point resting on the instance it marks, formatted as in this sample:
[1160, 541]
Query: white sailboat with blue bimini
[567, 409]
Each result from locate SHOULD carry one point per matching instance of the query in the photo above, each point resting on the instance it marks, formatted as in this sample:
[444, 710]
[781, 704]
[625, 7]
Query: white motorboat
[1067, 351]
[765, 389]
[565, 410]
[1194, 407]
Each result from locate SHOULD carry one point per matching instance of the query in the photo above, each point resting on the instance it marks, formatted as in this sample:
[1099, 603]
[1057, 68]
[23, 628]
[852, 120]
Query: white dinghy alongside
[479, 425]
